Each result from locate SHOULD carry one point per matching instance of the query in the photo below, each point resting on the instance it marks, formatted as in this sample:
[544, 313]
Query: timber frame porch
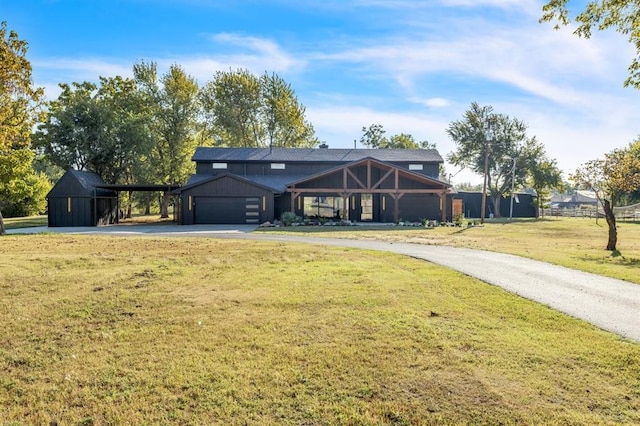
[358, 178]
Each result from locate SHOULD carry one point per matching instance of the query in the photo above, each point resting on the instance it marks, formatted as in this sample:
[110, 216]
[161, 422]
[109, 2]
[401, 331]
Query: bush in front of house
[289, 218]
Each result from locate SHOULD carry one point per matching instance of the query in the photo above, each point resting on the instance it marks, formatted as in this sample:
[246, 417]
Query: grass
[25, 222]
[576, 243]
[104, 330]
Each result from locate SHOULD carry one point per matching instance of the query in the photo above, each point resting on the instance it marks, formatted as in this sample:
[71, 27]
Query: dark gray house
[255, 185]
[77, 199]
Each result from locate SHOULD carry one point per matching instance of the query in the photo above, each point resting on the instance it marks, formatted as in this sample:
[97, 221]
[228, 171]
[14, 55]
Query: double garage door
[226, 210]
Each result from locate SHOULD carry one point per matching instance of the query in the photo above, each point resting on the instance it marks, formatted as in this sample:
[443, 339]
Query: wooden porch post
[294, 195]
[345, 210]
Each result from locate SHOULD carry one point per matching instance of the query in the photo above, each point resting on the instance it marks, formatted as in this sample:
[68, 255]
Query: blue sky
[413, 66]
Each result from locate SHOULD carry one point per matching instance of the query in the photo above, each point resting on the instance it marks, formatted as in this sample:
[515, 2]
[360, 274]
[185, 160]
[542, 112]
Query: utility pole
[513, 182]
[487, 145]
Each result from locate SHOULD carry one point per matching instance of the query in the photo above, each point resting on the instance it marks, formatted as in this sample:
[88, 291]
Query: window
[415, 167]
[326, 207]
[277, 166]
[219, 165]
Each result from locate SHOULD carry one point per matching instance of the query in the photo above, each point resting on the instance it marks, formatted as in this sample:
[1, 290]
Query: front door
[366, 207]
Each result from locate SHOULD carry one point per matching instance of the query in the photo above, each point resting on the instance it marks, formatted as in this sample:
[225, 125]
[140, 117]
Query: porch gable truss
[369, 176]
[360, 177]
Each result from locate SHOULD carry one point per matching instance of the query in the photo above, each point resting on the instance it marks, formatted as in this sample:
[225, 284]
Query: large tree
[100, 128]
[283, 116]
[243, 110]
[172, 102]
[621, 15]
[495, 150]
[19, 109]
[611, 178]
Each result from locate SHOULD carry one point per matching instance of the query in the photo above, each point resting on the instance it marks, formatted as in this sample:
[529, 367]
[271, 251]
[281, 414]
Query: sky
[413, 66]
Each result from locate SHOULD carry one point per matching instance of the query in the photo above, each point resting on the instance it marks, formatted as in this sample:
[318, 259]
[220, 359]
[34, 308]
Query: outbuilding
[79, 199]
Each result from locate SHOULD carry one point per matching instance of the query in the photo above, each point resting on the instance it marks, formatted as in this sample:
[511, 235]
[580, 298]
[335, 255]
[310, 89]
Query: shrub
[289, 218]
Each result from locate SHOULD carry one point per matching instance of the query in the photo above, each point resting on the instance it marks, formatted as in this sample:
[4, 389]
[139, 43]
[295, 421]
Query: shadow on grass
[616, 257]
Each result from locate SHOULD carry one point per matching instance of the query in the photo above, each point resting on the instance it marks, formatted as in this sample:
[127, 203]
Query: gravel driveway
[610, 304]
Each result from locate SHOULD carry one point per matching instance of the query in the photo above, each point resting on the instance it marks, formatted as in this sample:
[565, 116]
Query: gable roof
[88, 180]
[197, 180]
[415, 176]
[80, 183]
[304, 155]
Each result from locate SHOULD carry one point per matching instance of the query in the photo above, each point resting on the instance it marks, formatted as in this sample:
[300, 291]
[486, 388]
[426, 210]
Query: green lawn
[102, 330]
[25, 222]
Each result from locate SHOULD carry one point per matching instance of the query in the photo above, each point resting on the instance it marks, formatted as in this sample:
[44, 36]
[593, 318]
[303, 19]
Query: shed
[523, 205]
[78, 199]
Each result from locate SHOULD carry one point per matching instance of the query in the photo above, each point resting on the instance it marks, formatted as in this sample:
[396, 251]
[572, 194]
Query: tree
[19, 108]
[373, 137]
[232, 104]
[475, 149]
[620, 15]
[172, 102]
[69, 137]
[100, 128]
[283, 115]
[242, 110]
[544, 176]
[23, 190]
[610, 178]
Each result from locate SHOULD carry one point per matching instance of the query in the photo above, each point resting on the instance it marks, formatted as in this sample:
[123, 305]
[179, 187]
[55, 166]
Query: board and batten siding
[296, 168]
[219, 189]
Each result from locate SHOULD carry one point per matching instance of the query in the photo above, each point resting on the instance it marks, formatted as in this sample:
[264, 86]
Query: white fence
[631, 212]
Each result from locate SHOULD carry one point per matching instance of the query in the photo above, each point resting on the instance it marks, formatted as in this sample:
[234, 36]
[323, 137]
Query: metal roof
[89, 180]
[138, 187]
[277, 183]
[305, 155]
[79, 183]
[260, 181]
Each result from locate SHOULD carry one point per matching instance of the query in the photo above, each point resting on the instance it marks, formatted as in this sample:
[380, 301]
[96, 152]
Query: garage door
[227, 210]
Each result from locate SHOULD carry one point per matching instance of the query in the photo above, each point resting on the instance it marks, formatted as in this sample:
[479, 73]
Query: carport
[117, 188]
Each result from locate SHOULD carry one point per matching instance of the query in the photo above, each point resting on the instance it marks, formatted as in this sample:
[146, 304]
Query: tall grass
[105, 330]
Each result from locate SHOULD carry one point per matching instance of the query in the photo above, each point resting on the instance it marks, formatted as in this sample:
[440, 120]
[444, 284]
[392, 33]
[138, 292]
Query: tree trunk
[164, 205]
[611, 221]
[496, 206]
[129, 205]
[2, 230]
[147, 207]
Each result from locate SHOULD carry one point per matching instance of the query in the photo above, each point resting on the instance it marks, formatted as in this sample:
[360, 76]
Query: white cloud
[431, 102]
[261, 53]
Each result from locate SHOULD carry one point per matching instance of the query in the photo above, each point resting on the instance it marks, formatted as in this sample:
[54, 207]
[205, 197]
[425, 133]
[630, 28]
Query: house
[78, 199]
[578, 199]
[256, 185]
